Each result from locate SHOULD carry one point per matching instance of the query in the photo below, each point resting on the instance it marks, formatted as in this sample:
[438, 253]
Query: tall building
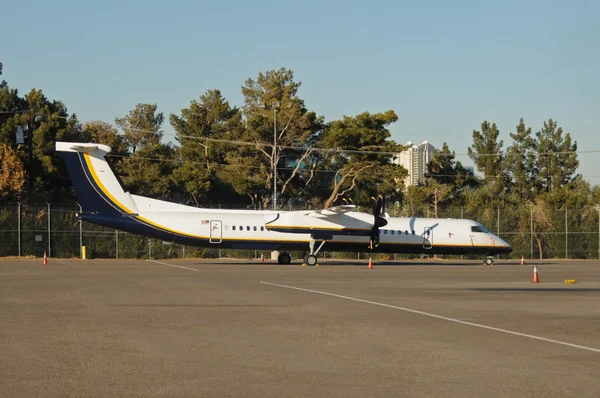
[415, 159]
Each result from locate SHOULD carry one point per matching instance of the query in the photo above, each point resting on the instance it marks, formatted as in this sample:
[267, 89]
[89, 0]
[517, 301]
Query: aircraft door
[428, 238]
[216, 231]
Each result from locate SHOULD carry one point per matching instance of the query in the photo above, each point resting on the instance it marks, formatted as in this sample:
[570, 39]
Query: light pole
[275, 107]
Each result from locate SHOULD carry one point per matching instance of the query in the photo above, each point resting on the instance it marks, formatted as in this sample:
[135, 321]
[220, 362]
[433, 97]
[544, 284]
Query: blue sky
[443, 66]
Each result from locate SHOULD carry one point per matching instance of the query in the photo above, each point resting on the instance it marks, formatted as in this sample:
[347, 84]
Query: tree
[148, 170]
[11, 108]
[142, 126]
[556, 157]
[3, 83]
[198, 129]
[520, 162]
[273, 95]
[437, 193]
[362, 151]
[12, 172]
[444, 169]
[486, 151]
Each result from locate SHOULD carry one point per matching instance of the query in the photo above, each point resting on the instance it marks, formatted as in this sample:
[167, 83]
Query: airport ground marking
[445, 318]
[172, 265]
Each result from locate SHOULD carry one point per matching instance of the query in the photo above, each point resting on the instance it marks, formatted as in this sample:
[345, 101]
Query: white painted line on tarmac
[172, 265]
[445, 318]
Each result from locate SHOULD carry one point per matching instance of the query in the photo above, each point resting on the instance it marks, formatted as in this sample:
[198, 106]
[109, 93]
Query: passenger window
[385, 231]
[247, 228]
[254, 228]
[393, 232]
[262, 228]
[241, 228]
[406, 232]
[413, 232]
[233, 227]
[226, 227]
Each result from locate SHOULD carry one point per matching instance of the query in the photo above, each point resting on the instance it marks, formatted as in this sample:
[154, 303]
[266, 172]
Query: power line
[337, 150]
[182, 161]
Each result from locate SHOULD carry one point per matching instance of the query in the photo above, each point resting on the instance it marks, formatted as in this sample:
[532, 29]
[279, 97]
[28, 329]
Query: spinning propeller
[378, 221]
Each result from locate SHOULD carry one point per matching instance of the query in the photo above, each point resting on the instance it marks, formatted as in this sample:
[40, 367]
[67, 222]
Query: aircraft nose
[505, 245]
[501, 244]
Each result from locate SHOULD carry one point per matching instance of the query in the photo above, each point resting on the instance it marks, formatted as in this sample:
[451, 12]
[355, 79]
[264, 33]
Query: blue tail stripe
[87, 192]
[89, 176]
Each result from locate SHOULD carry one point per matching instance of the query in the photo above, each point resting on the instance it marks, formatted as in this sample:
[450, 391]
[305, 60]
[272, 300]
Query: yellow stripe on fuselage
[115, 203]
[124, 209]
[98, 182]
[340, 229]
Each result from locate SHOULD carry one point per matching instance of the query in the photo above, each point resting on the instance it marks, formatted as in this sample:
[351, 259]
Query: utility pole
[275, 106]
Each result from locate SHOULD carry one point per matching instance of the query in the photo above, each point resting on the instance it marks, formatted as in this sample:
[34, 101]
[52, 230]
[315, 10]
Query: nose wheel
[489, 260]
[311, 258]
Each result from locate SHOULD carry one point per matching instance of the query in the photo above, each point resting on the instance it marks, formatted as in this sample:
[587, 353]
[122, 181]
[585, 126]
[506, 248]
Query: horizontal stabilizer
[98, 189]
[81, 147]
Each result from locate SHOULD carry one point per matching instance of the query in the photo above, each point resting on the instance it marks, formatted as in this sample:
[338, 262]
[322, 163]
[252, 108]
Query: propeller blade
[378, 221]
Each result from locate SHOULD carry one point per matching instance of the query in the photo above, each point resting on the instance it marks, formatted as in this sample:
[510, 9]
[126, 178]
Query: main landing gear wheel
[284, 258]
[310, 260]
[489, 260]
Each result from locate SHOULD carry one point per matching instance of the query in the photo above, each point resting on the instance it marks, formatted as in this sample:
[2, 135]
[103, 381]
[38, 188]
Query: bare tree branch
[304, 156]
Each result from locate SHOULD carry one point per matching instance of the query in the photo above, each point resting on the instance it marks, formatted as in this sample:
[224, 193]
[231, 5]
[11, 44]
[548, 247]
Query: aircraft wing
[331, 212]
[325, 222]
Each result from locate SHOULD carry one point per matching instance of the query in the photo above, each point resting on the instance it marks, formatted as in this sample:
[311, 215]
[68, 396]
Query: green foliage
[273, 111]
[444, 169]
[201, 159]
[556, 157]
[224, 155]
[486, 150]
[365, 157]
[148, 171]
[521, 162]
[142, 126]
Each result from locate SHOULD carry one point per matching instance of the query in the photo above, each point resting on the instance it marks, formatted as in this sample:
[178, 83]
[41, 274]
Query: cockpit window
[479, 228]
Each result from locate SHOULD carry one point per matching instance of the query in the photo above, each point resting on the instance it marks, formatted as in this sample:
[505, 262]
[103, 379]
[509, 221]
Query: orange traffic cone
[535, 278]
[522, 260]
[262, 258]
[45, 262]
[370, 263]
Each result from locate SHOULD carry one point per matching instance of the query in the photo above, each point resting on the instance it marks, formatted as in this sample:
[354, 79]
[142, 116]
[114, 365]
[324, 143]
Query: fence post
[183, 251]
[117, 243]
[150, 248]
[80, 233]
[49, 244]
[566, 233]
[19, 227]
[462, 209]
[531, 231]
[498, 229]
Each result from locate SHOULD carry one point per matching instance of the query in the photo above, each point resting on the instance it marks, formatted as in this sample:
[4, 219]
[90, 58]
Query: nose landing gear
[311, 258]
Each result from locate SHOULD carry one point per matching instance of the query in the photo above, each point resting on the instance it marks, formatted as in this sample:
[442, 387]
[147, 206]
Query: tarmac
[196, 328]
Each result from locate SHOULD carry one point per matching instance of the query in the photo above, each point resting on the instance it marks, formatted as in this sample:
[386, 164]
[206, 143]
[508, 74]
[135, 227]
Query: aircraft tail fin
[97, 186]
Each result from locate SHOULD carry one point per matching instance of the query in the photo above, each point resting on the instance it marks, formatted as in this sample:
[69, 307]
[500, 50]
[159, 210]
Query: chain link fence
[33, 230]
